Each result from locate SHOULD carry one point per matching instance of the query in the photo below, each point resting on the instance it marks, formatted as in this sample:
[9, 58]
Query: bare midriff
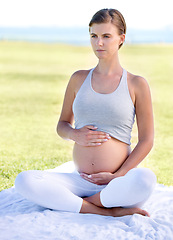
[108, 157]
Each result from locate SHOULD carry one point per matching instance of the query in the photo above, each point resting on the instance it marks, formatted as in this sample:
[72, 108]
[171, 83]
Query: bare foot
[119, 211]
[88, 207]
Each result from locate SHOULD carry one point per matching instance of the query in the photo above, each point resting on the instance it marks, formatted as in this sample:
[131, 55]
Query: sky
[146, 14]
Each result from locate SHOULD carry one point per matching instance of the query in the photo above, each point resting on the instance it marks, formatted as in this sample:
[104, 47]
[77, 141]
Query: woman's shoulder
[138, 86]
[80, 74]
[78, 78]
[136, 81]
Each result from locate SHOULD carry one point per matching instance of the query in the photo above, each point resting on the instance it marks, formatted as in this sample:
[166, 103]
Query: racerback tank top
[112, 113]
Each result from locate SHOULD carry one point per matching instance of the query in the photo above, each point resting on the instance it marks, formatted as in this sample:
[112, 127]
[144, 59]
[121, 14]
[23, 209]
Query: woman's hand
[88, 136]
[101, 178]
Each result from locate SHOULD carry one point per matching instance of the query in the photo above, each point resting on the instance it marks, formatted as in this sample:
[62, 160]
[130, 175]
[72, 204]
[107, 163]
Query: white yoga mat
[24, 220]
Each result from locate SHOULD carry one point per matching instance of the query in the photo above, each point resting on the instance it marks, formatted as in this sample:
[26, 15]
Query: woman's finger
[98, 133]
[94, 144]
[97, 140]
[87, 177]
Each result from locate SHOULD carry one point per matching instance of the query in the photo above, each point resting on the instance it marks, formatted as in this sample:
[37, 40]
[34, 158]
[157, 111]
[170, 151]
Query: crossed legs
[69, 192]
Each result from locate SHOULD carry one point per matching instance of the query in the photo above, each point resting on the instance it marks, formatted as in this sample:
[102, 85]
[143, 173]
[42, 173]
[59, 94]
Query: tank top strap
[88, 78]
[86, 83]
[123, 83]
[91, 72]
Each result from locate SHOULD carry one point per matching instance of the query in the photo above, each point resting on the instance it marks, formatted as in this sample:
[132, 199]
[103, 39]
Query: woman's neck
[106, 67]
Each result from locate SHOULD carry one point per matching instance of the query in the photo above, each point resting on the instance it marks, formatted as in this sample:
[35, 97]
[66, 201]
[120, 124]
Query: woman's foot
[119, 211]
[116, 211]
[88, 207]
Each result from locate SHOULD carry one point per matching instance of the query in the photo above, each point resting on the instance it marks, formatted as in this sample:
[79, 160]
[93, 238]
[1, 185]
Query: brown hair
[110, 15]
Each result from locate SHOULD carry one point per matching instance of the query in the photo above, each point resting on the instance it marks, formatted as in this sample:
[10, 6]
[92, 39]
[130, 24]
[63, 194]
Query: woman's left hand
[101, 178]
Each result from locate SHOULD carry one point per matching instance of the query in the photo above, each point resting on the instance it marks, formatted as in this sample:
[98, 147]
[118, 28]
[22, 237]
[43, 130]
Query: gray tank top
[112, 113]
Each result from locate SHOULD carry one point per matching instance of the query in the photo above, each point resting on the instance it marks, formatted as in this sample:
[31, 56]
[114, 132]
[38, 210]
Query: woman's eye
[106, 36]
[93, 36]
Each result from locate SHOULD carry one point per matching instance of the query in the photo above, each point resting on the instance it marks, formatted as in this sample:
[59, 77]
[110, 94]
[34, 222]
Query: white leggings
[64, 191]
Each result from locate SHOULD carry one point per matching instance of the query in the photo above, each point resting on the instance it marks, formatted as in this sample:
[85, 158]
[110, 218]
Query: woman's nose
[100, 42]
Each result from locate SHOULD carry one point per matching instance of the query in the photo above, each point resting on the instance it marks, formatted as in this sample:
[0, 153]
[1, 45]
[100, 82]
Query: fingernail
[89, 176]
[108, 136]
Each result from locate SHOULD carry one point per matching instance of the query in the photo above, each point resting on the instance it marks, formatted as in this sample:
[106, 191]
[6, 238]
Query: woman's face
[105, 39]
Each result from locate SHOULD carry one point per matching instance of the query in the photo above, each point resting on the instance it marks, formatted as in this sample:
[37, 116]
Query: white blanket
[24, 220]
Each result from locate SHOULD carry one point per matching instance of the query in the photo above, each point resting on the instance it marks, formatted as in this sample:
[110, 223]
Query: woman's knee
[131, 190]
[24, 182]
[143, 178]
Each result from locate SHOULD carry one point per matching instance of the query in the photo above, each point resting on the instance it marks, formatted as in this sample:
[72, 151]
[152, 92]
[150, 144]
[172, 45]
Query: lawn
[33, 78]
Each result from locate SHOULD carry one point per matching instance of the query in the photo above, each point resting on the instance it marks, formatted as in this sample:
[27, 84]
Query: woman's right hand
[88, 136]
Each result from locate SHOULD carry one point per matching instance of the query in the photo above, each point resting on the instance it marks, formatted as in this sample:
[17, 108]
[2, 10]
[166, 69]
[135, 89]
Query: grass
[33, 78]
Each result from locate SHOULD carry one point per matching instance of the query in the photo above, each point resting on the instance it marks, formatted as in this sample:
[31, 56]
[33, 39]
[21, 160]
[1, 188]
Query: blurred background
[42, 42]
[67, 21]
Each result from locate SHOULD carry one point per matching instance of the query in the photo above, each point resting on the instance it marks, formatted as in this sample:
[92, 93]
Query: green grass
[33, 78]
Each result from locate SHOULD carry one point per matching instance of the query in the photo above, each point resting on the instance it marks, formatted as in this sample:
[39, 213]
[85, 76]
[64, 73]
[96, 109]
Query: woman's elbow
[149, 143]
[151, 140]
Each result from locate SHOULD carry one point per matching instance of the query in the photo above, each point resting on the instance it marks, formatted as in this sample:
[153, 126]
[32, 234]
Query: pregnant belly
[107, 157]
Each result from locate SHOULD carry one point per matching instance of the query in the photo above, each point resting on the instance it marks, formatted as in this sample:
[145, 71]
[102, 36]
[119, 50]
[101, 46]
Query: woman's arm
[145, 125]
[64, 126]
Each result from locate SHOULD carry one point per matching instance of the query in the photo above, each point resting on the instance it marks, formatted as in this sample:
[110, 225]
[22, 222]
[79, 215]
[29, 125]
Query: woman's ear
[122, 39]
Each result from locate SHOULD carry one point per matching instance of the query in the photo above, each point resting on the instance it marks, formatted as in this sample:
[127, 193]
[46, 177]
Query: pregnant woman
[102, 102]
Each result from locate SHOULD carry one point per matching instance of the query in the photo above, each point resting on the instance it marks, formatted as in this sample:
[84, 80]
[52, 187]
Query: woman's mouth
[100, 50]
